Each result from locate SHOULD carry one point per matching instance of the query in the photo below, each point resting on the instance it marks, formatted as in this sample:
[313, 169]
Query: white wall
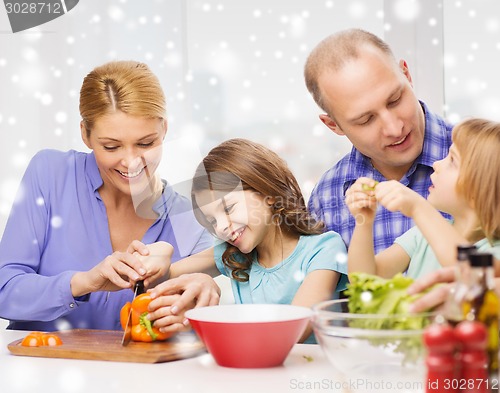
[229, 69]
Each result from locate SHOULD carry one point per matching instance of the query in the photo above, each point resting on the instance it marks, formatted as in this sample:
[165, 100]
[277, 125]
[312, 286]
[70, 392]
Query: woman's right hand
[360, 199]
[117, 271]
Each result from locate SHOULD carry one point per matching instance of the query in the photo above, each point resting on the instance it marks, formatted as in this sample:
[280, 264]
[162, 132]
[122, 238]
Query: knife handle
[139, 287]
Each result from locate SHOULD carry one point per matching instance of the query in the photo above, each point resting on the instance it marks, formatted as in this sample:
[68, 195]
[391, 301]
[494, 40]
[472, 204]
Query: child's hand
[360, 199]
[157, 262]
[394, 196]
[173, 297]
[160, 311]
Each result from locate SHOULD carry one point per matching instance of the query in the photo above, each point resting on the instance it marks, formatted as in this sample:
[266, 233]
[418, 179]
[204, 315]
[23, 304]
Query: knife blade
[138, 289]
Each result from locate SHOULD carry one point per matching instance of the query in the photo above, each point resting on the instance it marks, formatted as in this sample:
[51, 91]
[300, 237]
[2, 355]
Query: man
[368, 97]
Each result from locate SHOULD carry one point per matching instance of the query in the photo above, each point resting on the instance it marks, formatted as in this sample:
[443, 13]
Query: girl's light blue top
[422, 257]
[279, 284]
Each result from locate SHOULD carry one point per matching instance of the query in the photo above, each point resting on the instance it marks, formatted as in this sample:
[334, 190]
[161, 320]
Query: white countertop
[200, 374]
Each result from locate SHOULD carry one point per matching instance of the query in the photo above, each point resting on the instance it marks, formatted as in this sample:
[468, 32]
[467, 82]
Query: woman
[71, 248]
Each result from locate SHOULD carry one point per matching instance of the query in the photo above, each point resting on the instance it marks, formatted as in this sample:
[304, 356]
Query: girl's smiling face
[127, 149]
[241, 218]
[442, 194]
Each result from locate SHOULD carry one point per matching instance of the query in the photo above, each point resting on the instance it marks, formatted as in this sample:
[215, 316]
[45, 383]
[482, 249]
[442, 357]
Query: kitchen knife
[138, 289]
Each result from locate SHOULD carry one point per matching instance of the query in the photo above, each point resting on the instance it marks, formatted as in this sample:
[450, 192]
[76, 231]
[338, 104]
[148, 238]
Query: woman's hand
[156, 261]
[436, 296]
[173, 297]
[119, 270]
[360, 200]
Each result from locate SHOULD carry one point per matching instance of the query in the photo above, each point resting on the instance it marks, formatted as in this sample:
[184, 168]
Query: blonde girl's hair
[246, 165]
[126, 86]
[333, 52]
[478, 143]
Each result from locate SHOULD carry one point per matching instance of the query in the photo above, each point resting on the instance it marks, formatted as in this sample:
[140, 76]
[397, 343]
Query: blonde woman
[75, 240]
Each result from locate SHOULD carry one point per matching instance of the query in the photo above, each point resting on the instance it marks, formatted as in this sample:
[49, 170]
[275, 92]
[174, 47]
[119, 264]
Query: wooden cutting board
[106, 345]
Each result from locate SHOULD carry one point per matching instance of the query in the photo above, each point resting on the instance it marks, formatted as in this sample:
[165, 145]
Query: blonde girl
[465, 184]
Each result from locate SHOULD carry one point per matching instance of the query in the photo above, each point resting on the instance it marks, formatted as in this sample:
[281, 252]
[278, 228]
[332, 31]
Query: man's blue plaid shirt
[327, 201]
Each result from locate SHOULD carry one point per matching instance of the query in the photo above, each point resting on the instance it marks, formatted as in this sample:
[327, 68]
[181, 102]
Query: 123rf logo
[25, 14]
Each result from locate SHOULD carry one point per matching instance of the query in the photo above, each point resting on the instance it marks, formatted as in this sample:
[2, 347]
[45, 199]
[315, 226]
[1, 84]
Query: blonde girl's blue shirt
[422, 257]
[280, 283]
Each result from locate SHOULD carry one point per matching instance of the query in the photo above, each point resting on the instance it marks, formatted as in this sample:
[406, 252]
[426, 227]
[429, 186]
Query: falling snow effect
[56, 222]
[229, 69]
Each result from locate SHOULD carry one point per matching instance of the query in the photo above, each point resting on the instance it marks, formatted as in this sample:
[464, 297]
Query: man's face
[371, 101]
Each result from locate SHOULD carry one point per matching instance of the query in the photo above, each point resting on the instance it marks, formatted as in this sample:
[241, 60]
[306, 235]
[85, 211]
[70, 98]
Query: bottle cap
[463, 251]
[481, 259]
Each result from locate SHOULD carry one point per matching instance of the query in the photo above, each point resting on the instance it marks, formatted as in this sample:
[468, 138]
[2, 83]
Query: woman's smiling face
[241, 218]
[127, 149]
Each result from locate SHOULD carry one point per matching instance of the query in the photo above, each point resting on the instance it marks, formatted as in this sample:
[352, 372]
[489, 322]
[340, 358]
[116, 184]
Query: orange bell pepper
[142, 328]
[39, 339]
[51, 340]
[34, 339]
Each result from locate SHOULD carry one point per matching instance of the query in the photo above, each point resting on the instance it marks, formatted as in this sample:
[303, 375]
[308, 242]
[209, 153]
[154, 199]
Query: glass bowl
[368, 351]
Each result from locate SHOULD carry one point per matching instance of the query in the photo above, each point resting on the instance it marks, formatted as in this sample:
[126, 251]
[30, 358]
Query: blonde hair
[333, 52]
[126, 86]
[478, 143]
[240, 162]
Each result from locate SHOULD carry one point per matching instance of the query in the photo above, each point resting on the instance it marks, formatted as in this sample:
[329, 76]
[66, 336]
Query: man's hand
[436, 296]
[173, 297]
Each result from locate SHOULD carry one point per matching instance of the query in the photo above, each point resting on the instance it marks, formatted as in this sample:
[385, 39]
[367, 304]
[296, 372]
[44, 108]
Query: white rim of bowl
[302, 313]
[318, 309]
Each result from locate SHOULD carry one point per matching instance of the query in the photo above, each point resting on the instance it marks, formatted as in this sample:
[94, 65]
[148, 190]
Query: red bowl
[249, 335]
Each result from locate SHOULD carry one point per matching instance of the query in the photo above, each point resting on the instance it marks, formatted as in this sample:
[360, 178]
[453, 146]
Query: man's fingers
[446, 274]
[176, 327]
[162, 302]
[169, 287]
[430, 300]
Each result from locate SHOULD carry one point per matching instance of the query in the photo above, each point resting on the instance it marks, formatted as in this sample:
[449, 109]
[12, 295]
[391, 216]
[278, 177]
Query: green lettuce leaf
[370, 294]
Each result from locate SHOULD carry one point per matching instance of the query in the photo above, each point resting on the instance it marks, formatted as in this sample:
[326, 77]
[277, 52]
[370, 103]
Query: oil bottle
[482, 304]
[453, 310]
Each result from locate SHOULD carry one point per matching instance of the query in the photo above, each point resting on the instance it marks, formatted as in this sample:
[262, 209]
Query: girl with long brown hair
[271, 248]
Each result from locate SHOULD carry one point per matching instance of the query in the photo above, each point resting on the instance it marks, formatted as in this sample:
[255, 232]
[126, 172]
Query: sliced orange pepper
[39, 339]
[34, 339]
[51, 340]
[142, 328]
